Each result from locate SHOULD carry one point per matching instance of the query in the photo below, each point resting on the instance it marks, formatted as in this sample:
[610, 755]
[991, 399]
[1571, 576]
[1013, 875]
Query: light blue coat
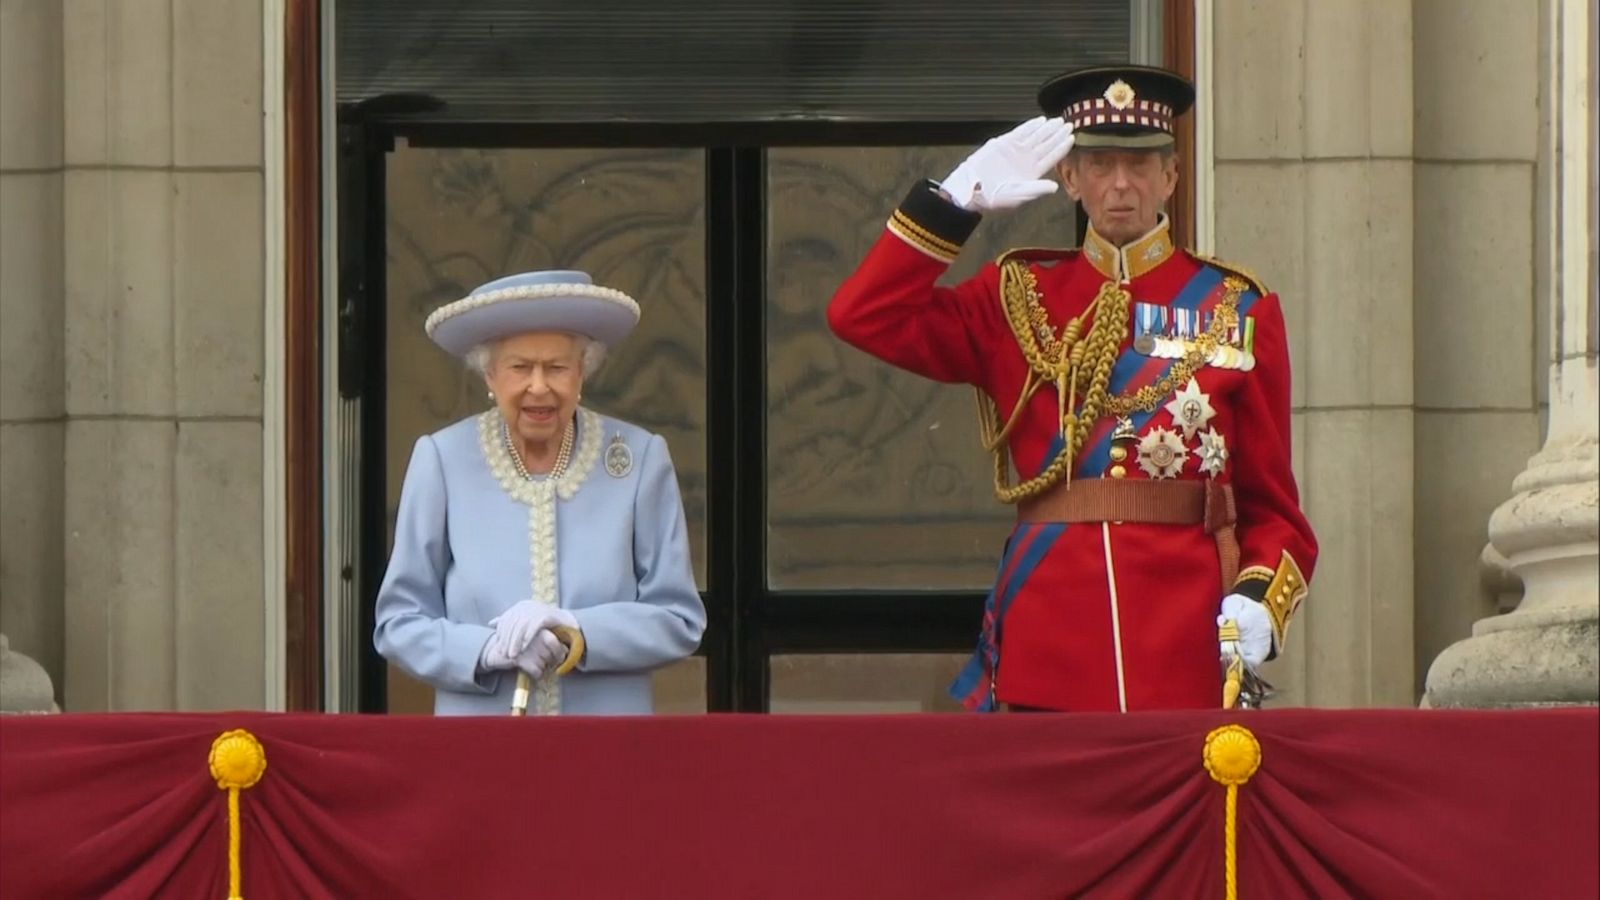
[462, 556]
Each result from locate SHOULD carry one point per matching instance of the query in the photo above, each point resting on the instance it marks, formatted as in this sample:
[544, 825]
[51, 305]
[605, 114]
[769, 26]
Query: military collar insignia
[1130, 262]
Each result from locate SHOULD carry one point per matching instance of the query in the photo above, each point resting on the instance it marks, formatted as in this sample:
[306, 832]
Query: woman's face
[537, 378]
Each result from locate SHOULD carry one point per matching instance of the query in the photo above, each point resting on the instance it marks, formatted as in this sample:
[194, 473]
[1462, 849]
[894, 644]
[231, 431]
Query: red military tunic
[1105, 615]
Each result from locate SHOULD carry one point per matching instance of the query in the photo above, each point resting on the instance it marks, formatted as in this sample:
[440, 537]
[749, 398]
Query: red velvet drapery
[1401, 803]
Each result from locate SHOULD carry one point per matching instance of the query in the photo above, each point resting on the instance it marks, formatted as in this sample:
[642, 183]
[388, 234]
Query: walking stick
[573, 638]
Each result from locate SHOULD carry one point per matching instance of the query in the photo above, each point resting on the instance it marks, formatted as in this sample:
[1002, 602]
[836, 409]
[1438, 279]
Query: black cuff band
[933, 224]
[1254, 588]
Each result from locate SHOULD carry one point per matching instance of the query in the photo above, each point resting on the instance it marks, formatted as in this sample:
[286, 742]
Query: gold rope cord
[1231, 755]
[1063, 361]
[237, 761]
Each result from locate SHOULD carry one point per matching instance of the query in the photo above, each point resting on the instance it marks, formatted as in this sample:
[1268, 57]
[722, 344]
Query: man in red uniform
[1140, 393]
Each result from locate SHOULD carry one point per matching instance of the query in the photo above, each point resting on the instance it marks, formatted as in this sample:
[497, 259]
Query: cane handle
[573, 638]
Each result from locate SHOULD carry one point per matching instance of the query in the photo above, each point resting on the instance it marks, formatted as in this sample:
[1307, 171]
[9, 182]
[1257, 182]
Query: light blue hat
[554, 300]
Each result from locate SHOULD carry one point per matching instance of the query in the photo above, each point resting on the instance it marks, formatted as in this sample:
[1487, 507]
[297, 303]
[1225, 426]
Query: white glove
[494, 656]
[517, 626]
[1009, 170]
[544, 654]
[1255, 627]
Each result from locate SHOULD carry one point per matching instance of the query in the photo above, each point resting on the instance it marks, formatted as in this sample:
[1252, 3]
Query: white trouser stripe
[1116, 620]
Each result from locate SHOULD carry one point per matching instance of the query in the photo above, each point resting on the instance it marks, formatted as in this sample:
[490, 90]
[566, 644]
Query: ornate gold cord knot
[1232, 754]
[237, 759]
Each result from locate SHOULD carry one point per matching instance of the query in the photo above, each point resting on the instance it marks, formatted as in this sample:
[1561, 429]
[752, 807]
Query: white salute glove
[1009, 170]
[1255, 627]
[516, 628]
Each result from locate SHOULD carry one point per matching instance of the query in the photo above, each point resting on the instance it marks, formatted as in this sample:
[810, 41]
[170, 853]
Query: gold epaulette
[1255, 281]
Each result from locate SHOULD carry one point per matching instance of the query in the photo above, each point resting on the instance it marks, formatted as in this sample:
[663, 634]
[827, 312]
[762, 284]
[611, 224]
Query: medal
[1213, 453]
[1162, 454]
[1191, 408]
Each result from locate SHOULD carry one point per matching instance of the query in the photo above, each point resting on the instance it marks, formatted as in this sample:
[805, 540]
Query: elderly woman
[538, 518]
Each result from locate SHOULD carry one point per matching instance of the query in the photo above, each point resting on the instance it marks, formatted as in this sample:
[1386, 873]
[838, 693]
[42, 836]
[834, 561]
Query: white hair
[592, 355]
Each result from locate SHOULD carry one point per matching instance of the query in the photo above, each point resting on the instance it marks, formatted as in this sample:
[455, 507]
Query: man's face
[1123, 191]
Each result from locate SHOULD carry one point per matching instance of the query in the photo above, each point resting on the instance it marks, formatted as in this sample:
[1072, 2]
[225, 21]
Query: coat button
[1118, 472]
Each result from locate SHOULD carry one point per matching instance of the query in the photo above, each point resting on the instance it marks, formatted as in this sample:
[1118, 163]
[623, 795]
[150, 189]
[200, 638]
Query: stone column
[24, 684]
[1479, 360]
[1544, 652]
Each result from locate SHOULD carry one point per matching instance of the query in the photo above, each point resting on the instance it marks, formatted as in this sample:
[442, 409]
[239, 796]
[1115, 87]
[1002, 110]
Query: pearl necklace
[563, 454]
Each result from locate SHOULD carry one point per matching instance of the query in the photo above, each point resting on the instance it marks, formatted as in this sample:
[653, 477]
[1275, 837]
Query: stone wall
[1314, 190]
[32, 323]
[133, 396]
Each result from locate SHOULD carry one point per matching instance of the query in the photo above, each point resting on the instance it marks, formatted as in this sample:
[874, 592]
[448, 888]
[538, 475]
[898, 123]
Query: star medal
[1213, 453]
[1191, 408]
[1162, 454]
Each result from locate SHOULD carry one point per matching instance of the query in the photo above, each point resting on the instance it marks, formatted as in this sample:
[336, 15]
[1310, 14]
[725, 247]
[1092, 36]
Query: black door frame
[748, 621]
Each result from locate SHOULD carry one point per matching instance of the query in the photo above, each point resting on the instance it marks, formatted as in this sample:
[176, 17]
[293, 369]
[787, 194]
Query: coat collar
[1135, 259]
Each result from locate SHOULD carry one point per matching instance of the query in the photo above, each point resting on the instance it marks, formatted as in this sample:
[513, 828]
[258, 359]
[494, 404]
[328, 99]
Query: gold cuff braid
[1284, 595]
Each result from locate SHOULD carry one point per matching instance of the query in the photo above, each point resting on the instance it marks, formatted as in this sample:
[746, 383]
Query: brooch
[619, 459]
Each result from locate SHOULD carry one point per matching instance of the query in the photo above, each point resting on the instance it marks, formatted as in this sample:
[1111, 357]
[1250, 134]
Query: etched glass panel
[876, 477]
[830, 684]
[633, 219]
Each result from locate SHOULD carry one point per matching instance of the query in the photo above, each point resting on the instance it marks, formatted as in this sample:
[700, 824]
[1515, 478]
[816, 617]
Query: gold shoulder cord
[1066, 359]
[1251, 279]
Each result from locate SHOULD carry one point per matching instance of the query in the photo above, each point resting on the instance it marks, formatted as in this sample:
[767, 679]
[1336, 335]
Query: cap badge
[1119, 94]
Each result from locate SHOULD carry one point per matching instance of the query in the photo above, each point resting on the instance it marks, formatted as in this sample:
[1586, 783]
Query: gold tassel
[1070, 420]
[1061, 404]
